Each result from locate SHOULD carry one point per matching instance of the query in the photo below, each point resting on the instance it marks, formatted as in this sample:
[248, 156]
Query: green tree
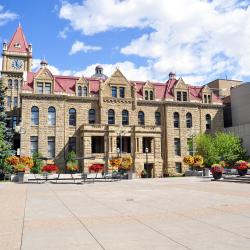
[6, 134]
[38, 163]
[220, 147]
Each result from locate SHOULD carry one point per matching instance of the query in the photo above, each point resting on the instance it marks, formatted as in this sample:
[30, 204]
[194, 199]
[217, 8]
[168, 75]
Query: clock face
[17, 64]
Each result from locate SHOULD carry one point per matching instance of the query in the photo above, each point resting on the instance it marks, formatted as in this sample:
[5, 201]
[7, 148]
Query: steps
[236, 179]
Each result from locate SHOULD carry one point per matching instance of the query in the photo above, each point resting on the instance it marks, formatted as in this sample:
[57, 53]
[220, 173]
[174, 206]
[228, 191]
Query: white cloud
[192, 37]
[130, 71]
[6, 16]
[80, 46]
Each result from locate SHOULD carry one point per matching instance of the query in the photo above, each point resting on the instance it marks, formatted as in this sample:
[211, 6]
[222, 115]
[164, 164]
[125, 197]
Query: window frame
[34, 116]
[157, 118]
[51, 116]
[72, 117]
[125, 117]
[111, 117]
[189, 120]
[114, 91]
[176, 120]
[92, 116]
[141, 118]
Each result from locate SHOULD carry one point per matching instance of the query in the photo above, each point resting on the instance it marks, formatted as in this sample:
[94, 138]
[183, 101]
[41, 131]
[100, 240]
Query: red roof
[18, 42]
[162, 91]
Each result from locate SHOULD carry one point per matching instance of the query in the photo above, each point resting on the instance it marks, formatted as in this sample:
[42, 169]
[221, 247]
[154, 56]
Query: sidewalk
[148, 214]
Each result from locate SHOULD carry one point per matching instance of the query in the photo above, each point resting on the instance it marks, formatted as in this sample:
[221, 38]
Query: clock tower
[16, 62]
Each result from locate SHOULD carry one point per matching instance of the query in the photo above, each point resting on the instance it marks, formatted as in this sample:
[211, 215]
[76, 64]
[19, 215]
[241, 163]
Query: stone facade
[132, 134]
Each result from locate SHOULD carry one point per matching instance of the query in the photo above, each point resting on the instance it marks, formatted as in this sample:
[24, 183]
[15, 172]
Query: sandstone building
[102, 116]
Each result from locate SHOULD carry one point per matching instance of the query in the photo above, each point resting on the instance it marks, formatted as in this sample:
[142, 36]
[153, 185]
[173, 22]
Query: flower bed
[96, 168]
[242, 167]
[49, 168]
[217, 171]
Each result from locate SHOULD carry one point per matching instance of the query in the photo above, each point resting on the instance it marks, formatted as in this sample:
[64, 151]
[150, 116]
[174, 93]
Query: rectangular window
[124, 144]
[9, 102]
[190, 146]
[114, 91]
[33, 145]
[14, 122]
[15, 104]
[177, 146]
[97, 144]
[209, 98]
[51, 147]
[178, 167]
[72, 144]
[184, 96]
[178, 95]
[47, 89]
[205, 98]
[146, 143]
[39, 88]
[122, 92]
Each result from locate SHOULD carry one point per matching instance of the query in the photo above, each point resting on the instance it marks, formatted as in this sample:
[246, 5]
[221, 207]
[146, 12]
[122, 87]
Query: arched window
[189, 120]
[125, 117]
[141, 118]
[157, 118]
[72, 117]
[16, 84]
[51, 116]
[111, 116]
[176, 120]
[79, 91]
[91, 116]
[85, 91]
[208, 121]
[9, 83]
[34, 115]
[146, 95]
[151, 95]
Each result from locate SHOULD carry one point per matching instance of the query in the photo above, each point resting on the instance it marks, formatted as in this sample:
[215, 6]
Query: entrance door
[149, 169]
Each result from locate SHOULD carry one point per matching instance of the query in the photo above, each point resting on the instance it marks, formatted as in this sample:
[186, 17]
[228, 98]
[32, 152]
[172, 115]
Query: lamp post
[146, 151]
[20, 130]
[121, 133]
[118, 152]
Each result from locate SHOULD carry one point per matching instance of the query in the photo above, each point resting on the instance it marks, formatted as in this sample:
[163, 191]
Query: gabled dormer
[82, 87]
[117, 86]
[44, 80]
[207, 95]
[181, 93]
[148, 91]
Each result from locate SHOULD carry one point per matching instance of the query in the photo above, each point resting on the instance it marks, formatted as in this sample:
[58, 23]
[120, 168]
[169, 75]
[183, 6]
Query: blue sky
[146, 39]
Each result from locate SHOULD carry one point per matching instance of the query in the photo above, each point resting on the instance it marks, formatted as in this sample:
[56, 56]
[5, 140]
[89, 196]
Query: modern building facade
[102, 116]
[240, 103]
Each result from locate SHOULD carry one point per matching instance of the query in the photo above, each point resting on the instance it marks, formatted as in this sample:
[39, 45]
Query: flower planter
[20, 177]
[242, 172]
[217, 175]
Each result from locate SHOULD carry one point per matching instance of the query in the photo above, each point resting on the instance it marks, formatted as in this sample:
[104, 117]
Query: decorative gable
[181, 91]
[44, 74]
[148, 91]
[82, 87]
[117, 86]
[206, 94]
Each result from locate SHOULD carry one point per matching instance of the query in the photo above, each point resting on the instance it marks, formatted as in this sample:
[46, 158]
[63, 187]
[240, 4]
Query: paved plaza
[148, 214]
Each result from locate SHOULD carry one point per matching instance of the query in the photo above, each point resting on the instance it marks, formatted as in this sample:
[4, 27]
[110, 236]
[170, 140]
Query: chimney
[4, 45]
[172, 76]
[43, 63]
[30, 47]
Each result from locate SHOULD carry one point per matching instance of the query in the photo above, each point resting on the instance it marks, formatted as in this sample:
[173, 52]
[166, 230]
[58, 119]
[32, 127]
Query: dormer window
[85, 91]
[181, 96]
[79, 91]
[146, 95]
[122, 92]
[151, 95]
[114, 91]
[43, 88]
[47, 89]
[207, 98]
[39, 88]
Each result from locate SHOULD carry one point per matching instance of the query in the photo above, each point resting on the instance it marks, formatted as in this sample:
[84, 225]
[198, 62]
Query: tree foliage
[6, 134]
[220, 147]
